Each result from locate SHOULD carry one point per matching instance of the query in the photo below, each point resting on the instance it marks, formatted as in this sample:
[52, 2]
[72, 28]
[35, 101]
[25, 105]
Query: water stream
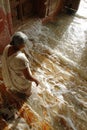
[58, 58]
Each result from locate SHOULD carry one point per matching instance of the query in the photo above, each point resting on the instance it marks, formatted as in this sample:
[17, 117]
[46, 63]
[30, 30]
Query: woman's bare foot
[17, 96]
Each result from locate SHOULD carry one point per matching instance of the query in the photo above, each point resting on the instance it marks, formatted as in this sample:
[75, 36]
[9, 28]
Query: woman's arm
[28, 75]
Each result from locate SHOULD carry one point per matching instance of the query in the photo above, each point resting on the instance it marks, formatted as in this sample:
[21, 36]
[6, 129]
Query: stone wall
[5, 24]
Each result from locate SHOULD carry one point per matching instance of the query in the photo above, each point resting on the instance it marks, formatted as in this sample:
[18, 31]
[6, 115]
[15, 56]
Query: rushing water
[58, 58]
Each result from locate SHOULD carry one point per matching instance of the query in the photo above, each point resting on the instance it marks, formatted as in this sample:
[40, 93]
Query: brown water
[58, 58]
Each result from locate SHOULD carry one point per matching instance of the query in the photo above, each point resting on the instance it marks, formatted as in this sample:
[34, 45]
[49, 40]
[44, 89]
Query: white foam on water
[58, 58]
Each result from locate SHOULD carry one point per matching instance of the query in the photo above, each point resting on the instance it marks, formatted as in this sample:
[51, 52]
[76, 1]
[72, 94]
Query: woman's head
[18, 39]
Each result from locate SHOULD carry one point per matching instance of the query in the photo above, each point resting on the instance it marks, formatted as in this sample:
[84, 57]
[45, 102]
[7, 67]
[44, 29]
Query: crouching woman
[16, 72]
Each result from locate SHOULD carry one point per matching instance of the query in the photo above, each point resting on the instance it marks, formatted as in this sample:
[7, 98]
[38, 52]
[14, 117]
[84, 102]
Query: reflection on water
[58, 59]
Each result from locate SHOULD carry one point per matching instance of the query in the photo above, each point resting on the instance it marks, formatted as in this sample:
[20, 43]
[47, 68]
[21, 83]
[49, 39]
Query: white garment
[12, 67]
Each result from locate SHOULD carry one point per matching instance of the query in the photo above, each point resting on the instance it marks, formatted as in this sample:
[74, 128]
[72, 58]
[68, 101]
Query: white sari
[12, 67]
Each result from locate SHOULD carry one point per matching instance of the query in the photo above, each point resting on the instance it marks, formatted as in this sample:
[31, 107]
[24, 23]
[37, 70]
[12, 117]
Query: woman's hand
[36, 81]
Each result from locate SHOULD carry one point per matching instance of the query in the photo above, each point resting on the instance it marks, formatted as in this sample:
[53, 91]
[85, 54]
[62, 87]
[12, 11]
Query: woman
[15, 66]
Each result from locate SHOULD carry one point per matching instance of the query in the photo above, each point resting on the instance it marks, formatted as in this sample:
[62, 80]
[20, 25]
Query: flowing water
[58, 58]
